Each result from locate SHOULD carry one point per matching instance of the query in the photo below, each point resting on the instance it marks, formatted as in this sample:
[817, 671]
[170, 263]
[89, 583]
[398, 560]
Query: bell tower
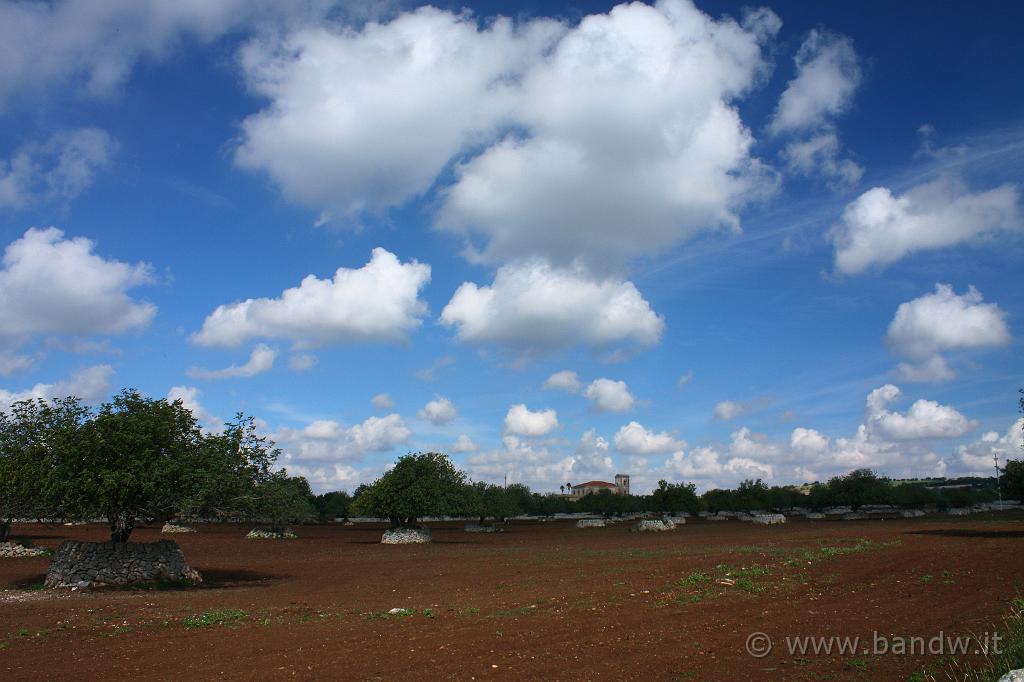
[622, 484]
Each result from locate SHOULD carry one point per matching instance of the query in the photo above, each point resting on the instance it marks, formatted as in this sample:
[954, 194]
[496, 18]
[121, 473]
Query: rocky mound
[406, 536]
[99, 564]
[13, 550]
[769, 519]
[264, 534]
[591, 523]
[176, 528]
[653, 525]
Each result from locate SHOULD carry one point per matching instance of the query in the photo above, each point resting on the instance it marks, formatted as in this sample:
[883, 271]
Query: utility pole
[999, 487]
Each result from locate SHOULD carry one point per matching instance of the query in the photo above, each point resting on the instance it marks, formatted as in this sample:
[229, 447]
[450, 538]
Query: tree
[1013, 479]
[32, 437]
[422, 484]
[860, 487]
[333, 505]
[136, 458]
[226, 471]
[491, 501]
[281, 499]
[675, 497]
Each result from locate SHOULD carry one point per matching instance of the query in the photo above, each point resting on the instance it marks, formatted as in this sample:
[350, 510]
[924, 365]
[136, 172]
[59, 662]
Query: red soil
[539, 601]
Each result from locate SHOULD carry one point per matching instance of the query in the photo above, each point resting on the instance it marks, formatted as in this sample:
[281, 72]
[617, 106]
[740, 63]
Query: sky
[557, 241]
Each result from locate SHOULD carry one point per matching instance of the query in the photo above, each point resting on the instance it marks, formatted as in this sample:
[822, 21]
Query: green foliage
[675, 497]
[1013, 479]
[424, 484]
[217, 617]
[280, 499]
[33, 437]
[487, 500]
[332, 505]
[859, 487]
[134, 459]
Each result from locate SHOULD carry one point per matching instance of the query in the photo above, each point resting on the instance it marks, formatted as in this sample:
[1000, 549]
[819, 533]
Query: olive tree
[281, 499]
[491, 501]
[422, 484]
[33, 435]
[135, 458]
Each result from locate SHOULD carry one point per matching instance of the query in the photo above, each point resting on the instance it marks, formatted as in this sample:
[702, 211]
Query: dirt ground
[539, 601]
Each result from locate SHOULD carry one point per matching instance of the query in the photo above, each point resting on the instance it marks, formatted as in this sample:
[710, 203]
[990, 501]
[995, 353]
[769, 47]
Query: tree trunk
[5, 530]
[121, 526]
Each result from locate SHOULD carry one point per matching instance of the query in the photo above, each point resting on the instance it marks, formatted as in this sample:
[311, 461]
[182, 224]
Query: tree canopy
[422, 484]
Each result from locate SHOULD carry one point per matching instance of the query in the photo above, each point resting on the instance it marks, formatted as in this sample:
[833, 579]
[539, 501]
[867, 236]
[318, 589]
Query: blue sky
[701, 243]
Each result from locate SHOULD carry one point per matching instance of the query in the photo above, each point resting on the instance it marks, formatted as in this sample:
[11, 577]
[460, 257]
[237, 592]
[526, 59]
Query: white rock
[406, 536]
[591, 523]
[911, 513]
[649, 525]
[769, 519]
[814, 516]
[1013, 676]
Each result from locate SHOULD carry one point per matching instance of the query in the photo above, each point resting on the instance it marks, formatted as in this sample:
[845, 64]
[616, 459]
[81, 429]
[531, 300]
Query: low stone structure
[769, 519]
[176, 528]
[653, 525]
[265, 534]
[814, 516]
[406, 536]
[854, 516]
[959, 511]
[479, 528]
[13, 550]
[911, 513]
[591, 523]
[677, 520]
[717, 517]
[99, 564]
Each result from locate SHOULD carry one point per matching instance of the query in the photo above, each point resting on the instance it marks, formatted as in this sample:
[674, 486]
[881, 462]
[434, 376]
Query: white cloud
[627, 121]
[53, 285]
[565, 380]
[260, 360]
[591, 455]
[430, 373]
[925, 419]
[684, 379]
[610, 396]
[189, 397]
[730, 409]
[382, 401]
[532, 306]
[330, 441]
[91, 384]
[977, 457]
[56, 170]
[634, 439]
[878, 228]
[438, 411]
[828, 73]
[377, 302]
[91, 46]
[337, 136]
[520, 421]
[744, 467]
[302, 362]
[464, 444]
[820, 155]
[808, 441]
[943, 321]
[746, 443]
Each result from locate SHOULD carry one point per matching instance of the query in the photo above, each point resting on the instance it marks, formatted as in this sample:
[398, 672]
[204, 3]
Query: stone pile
[959, 511]
[769, 519]
[406, 536]
[176, 528]
[12, 550]
[100, 564]
[814, 516]
[653, 525]
[590, 523]
[264, 534]
[911, 513]
[854, 516]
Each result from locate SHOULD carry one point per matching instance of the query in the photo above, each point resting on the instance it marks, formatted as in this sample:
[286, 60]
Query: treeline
[136, 459]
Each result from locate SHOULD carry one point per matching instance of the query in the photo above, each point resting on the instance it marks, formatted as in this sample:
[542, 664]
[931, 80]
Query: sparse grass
[217, 617]
[926, 578]
[694, 579]
[858, 664]
[994, 665]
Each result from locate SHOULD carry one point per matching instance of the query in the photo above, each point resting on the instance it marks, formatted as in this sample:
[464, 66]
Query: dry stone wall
[100, 564]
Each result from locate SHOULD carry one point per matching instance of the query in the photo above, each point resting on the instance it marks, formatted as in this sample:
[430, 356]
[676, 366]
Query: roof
[595, 484]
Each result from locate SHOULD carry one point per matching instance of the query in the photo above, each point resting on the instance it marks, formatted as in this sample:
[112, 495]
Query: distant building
[620, 487]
